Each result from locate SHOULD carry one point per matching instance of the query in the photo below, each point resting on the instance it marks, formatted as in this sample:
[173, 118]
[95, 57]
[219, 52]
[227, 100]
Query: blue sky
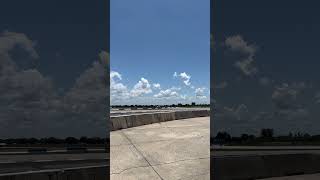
[153, 39]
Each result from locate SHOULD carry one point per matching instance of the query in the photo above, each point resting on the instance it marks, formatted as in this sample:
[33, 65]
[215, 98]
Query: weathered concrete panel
[133, 120]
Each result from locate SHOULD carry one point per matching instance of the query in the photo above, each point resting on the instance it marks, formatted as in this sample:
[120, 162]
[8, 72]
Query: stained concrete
[167, 150]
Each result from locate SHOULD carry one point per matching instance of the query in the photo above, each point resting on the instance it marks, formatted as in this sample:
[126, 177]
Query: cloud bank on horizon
[257, 98]
[31, 105]
[148, 92]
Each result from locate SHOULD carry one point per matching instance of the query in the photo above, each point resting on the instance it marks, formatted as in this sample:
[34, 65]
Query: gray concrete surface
[128, 119]
[167, 150]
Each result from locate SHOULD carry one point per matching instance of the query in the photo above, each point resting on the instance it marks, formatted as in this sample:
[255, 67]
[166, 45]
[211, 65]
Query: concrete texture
[130, 119]
[167, 150]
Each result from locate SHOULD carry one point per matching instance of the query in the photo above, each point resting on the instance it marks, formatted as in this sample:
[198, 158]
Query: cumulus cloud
[238, 44]
[200, 93]
[31, 105]
[184, 77]
[175, 74]
[231, 119]
[117, 89]
[28, 99]
[115, 75]
[285, 95]
[86, 101]
[168, 93]
[9, 40]
[141, 88]
[246, 66]
[156, 86]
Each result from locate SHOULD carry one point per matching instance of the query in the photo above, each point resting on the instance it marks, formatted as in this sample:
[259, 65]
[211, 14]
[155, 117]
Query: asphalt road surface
[32, 162]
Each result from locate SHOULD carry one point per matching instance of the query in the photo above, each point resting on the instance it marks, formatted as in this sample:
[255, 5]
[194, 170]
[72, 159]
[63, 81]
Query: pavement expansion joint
[142, 156]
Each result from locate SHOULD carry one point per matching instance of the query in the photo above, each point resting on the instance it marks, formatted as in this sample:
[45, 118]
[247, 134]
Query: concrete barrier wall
[133, 120]
[84, 173]
[255, 167]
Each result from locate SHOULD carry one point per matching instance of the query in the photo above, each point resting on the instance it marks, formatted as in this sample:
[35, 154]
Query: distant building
[193, 104]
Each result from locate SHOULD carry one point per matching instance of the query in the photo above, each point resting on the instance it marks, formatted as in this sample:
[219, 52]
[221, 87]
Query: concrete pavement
[167, 150]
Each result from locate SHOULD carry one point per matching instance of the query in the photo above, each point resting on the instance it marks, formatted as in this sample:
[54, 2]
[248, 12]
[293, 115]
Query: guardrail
[133, 120]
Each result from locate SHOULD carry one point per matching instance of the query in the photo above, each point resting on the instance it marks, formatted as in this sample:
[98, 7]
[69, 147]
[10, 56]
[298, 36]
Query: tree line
[193, 104]
[266, 136]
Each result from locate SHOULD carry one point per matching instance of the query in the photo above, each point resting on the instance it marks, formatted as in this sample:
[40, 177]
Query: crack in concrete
[171, 129]
[164, 163]
[143, 156]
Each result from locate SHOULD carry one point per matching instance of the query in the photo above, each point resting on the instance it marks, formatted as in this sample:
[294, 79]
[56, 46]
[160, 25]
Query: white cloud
[117, 89]
[156, 86]
[184, 77]
[200, 93]
[175, 88]
[183, 97]
[141, 88]
[168, 93]
[175, 74]
[114, 74]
